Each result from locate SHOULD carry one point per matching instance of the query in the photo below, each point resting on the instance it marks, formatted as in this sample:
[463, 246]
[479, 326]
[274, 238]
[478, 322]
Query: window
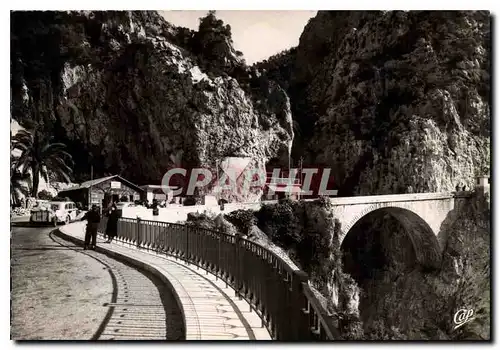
[67, 206]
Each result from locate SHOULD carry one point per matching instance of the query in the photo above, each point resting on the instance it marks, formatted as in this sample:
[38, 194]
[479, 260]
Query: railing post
[138, 232]
[237, 277]
[300, 320]
[218, 267]
[187, 244]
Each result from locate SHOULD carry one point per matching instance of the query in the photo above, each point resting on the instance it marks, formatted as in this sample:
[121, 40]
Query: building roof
[159, 187]
[88, 184]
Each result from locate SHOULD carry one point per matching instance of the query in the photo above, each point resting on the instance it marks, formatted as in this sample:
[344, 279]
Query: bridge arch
[424, 241]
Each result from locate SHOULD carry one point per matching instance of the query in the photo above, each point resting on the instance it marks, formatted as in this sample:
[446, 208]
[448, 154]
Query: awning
[159, 188]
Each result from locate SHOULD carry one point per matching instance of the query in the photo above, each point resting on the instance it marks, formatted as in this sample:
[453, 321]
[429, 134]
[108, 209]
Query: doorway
[105, 201]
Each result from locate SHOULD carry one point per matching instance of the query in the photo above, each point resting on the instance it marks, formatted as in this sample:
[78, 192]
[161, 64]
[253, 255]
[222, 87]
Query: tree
[19, 182]
[40, 156]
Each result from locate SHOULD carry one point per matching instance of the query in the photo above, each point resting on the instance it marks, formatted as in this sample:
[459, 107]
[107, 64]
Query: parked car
[55, 212]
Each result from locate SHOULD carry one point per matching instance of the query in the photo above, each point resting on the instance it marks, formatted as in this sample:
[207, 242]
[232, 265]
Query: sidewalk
[210, 309]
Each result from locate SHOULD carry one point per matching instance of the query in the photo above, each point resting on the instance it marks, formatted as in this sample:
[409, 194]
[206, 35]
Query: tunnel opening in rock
[384, 251]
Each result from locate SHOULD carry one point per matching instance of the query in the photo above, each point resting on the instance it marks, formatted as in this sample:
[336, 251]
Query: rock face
[131, 94]
[393, 100]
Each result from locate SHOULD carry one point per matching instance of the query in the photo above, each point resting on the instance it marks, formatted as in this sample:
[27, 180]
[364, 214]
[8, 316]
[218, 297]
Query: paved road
[59, 291]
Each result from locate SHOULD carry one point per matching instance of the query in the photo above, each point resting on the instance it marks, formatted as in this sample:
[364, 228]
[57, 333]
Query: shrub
[201, 220]
[283, 224]
[61, 199]
[242, 219]
[380, 331]
[351, 327]
[45, 195]
[189, 201]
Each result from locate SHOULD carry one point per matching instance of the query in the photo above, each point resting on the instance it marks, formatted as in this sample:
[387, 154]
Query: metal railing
[281, 296]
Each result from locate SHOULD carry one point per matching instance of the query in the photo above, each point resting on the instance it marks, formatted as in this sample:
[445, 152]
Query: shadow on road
[26, 224]
[30, 224]
[117, 314]
[44, 248]
[114, 296]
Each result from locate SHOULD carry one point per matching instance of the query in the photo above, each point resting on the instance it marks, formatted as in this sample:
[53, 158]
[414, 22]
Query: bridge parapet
[410, 197]
[280, 295]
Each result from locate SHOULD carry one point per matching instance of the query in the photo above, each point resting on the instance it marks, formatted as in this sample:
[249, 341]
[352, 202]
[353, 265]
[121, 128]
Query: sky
[258, 34]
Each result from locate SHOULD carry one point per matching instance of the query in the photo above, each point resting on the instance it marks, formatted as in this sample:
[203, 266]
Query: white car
[55, 212]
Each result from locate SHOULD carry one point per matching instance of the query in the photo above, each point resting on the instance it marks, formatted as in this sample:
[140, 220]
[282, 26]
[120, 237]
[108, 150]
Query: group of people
[93, 220]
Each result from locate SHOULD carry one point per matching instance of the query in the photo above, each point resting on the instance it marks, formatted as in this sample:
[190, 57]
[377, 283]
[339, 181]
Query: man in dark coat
[93, 218]
[112, 225]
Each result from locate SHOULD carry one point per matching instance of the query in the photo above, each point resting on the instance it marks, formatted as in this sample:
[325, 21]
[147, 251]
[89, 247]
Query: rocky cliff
[393, 101]
[134, 95]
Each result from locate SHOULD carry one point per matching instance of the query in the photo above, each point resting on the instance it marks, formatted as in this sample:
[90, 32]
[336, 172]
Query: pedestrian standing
[93, 219]
[112, 225]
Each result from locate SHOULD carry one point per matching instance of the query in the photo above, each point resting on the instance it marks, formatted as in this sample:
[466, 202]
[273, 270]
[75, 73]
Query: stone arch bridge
[425, 217]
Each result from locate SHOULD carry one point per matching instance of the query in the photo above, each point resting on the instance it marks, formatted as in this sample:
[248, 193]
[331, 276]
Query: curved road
[61, 292]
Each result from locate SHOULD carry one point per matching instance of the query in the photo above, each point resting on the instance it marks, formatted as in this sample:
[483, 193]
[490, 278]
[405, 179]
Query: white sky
[258, 34]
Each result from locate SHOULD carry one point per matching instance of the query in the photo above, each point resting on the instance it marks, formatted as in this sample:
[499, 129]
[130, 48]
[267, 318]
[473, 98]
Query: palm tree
[41, 156]
[18, 182]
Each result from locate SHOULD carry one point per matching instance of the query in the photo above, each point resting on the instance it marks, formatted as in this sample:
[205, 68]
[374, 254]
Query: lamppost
[217, 183]
[300, 176]
[91, 158]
